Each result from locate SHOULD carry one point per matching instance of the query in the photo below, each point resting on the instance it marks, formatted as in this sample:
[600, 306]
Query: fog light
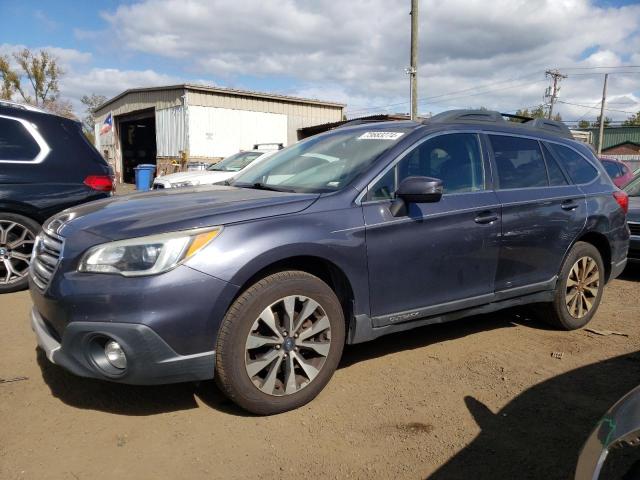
[114, 353]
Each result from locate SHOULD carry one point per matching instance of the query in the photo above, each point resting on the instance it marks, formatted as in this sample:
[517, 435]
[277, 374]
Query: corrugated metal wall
[220, 132]
[298, 114]
[133, 101]
[171, 131]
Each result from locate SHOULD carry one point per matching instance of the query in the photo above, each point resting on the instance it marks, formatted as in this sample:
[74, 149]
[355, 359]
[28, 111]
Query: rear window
[519, 162]
[576, 166]
[16, 143]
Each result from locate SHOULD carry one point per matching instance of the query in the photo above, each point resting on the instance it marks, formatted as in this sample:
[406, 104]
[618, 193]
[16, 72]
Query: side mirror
[416, 190]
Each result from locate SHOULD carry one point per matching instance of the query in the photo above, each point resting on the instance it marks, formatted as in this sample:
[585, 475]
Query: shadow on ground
[632, 272]
[150, 400]
[539, 434]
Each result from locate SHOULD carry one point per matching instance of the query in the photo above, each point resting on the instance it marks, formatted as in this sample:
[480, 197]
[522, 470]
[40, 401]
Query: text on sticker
[380, 136]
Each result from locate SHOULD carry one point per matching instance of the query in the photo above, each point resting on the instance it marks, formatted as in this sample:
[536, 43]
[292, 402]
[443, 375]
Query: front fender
[244, 249]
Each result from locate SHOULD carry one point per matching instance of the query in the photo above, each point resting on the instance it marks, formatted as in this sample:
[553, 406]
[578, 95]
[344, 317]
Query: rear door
[542, 213]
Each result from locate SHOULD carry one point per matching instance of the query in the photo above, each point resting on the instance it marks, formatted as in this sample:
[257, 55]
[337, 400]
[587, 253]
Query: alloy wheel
[288, 345]
[583, 285]
[16, 244]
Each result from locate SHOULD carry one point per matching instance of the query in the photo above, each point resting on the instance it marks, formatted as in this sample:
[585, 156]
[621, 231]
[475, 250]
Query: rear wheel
[579, 288]
[280, 343]
[17, 237]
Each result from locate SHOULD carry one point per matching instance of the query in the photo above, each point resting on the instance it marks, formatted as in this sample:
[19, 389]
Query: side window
[612, 169]
[578, 168]
[519, 162]
[16, 143]
[556, 177]
[453, 158]
[384, 188]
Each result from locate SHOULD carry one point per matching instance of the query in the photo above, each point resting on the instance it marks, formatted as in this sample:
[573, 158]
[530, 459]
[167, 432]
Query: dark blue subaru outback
[349, 235]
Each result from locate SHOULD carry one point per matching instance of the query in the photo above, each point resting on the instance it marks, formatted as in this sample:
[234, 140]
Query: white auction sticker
[380, 136]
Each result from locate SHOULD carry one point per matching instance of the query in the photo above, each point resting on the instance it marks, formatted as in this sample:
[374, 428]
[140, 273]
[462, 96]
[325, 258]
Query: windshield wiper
[262, 186]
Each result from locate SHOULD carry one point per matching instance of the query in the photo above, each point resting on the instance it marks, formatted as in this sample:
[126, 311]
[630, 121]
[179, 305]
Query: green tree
[584, 124]
[538, 112]
[607, 122]
[632, 121]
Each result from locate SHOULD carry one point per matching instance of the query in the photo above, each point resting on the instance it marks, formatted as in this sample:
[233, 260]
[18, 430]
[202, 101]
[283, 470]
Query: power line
[595, 68]
[588, 106]
[426, 99]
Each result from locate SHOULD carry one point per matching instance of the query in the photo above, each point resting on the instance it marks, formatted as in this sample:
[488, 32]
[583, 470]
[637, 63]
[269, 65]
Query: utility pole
[413, 69]
[552, 91]
[604, 99]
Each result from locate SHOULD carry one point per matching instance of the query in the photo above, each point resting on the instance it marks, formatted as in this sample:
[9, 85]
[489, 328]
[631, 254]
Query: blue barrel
[144, 176]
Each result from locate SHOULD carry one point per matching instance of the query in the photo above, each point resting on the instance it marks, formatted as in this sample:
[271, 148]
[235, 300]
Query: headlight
[187, 183]
[146, 255]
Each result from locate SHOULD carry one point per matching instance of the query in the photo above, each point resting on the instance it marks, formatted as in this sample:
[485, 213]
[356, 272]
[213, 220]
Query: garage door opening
[138, 143]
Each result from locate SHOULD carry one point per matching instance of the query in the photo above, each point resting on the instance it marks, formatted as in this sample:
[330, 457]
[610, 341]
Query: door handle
[486, 217]
[568, 205]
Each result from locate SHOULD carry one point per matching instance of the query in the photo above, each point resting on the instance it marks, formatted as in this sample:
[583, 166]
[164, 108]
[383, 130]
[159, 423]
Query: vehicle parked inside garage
[633, 216]
[340, 238]
[46, 165]
[215, 173]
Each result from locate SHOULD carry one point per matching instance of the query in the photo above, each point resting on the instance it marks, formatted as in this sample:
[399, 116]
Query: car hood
[159, 211]
[202, 177]
[634, 209]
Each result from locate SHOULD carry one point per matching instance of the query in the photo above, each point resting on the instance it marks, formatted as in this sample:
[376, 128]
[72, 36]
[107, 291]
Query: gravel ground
[478, 398]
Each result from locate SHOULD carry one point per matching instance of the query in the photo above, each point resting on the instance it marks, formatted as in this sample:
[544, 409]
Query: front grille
[47, 253]
[158, 186]
[635, 228]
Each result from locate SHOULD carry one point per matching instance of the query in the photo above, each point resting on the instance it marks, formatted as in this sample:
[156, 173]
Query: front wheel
[280, 343]
[579, 288]
[17, 237]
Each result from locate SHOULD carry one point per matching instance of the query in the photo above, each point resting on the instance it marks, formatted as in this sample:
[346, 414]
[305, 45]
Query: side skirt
[362, 327]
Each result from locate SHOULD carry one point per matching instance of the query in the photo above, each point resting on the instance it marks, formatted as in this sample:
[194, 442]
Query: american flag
[107, 125]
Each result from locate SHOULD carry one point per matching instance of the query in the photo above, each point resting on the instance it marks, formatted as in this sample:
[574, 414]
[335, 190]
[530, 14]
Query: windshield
[235, 162]
[633, 187]
[323, 163]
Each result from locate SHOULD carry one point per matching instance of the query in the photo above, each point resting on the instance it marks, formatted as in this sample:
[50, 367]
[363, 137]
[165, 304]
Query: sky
[472, 53]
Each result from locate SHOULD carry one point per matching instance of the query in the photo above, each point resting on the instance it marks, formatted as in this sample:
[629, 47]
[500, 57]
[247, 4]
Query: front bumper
[150, 360]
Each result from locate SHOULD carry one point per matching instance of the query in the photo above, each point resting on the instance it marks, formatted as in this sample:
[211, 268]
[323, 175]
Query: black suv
[46, 165]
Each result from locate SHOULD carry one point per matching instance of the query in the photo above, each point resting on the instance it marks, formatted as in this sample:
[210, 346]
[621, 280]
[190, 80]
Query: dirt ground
[477, 398]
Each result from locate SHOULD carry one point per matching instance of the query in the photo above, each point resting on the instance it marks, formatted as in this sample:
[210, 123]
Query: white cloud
[356, 51]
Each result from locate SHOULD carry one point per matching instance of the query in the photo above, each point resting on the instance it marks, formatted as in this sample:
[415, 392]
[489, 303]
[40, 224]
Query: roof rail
[23, 106]
[491, 116]
[550, 126]
[464, 116]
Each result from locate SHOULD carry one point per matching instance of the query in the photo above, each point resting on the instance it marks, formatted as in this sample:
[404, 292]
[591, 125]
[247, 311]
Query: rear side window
[519, 162]
[612, 169]
[578, 168]
[556, 177]
[16, 143]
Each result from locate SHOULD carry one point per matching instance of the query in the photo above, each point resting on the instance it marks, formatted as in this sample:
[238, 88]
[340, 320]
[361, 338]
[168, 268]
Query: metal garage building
[161, 125]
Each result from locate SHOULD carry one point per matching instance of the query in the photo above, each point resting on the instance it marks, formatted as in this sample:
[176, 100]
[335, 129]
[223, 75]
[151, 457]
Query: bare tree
[38, 70]
[91, 102]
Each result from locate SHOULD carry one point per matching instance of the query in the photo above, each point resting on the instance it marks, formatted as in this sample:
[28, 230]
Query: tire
[17, 235]
[575, 291]
[254, 360]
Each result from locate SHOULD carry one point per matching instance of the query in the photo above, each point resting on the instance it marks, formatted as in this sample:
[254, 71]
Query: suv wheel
[280, 343]
[17, 236]
[579, 288]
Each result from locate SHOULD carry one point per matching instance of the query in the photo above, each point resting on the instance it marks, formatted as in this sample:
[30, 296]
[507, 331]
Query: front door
[441, 256]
